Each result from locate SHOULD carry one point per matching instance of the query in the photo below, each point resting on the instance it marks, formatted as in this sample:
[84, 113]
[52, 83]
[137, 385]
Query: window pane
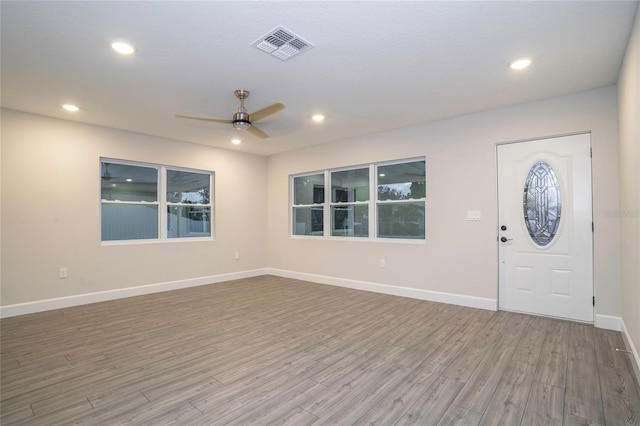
[187, 187]
[125, 182]
[401, 220]
[308, 189]
[402, 181]
[348, 186]
[350, 221]
[308, 220]
[129, 222]
[188, 221]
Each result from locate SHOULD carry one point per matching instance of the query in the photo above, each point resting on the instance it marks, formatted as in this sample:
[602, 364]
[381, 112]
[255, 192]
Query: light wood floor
[270, 350]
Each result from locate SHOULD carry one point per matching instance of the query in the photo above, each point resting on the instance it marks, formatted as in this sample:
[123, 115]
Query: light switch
[474, 215]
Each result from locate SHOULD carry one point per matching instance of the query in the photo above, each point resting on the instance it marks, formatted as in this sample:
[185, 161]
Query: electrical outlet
[62, 273]
[383, 263]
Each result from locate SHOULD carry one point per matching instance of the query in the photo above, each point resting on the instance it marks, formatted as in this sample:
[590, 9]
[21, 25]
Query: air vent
[282, 43]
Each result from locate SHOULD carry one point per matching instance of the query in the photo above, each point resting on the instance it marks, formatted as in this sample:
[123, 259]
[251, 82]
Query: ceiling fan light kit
[241, 121]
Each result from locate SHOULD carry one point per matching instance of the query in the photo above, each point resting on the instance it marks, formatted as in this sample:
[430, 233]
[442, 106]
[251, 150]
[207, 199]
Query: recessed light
[318, 118]
[236, 141]
[124, 48]
[129, 180]
[70, 108]
[382, 175]
[520, 63]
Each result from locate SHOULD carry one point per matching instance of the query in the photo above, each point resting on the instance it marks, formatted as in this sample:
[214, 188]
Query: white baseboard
[414, 293]
[102, 296]
[608, 322]
[601, 321]
[634, 351]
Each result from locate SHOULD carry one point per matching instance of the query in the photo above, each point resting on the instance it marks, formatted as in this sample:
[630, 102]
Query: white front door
[545, 227]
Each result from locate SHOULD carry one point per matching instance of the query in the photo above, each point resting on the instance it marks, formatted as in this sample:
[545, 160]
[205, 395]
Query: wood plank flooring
[269, 350]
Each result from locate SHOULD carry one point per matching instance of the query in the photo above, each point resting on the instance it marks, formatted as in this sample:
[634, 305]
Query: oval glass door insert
[542, 203]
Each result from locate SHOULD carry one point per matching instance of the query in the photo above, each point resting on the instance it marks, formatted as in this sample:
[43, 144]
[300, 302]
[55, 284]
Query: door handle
[505, 239]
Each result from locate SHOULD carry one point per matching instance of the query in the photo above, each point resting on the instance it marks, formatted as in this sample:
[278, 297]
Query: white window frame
[293, 206]
[168, 204]
[161, 203]
[354, 203]
[391, 202]
[372, 203]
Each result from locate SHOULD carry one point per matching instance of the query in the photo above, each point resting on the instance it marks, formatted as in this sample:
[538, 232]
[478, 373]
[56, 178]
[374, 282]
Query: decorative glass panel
[542, 203]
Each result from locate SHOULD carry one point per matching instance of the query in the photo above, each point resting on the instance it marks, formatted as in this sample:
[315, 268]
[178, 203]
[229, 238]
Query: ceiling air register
[282, 43]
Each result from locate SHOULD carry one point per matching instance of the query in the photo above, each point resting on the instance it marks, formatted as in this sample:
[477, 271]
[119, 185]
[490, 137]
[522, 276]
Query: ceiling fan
[242, 120]
[108, 175]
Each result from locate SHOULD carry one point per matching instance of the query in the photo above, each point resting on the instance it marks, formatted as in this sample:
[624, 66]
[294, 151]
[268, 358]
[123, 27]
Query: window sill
[155, 241]
[360, 239]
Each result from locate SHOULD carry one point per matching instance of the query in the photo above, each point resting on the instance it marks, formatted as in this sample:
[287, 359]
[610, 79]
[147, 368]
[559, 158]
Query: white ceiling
[375, 65]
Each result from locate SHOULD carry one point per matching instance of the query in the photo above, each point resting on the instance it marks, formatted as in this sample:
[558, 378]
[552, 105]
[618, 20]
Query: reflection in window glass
[380, 200]
[189, 208]
[308, 221]
[129, 221]
[135, 198]
[348, 186]
[308, 195]
[349, 203]
[401, 220]
[308, 189]
[129, 197]
[187, 187]
[124, 182]
[403, 181]
[350, 220]
[188, 221]
[401, 192]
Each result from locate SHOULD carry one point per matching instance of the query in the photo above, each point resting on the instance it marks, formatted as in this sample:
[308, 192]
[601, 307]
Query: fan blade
[215, 120]
[265, 112]
[257, 132]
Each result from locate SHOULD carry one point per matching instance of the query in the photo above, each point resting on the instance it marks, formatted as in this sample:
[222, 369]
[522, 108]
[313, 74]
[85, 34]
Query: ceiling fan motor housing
[241, 120]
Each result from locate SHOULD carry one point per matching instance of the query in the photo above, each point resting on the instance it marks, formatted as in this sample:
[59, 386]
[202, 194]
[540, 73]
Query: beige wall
[629, 207]
[459, 256]
[50, 205]
[50, 211]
